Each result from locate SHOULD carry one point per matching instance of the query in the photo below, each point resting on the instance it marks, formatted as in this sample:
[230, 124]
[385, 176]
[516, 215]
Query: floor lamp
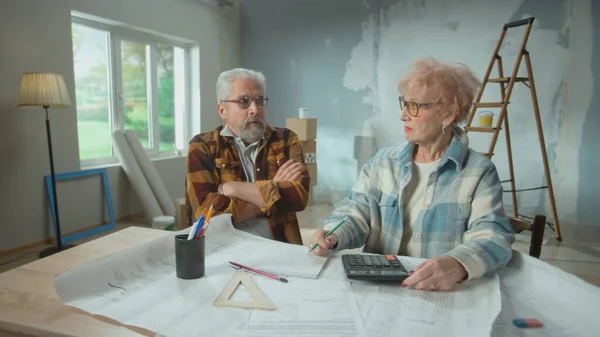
[46, 90]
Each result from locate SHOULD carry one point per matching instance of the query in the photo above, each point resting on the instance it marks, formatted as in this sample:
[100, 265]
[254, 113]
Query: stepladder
[506, 85]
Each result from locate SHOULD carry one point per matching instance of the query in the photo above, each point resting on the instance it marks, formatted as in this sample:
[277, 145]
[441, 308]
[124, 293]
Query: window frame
[115, 34]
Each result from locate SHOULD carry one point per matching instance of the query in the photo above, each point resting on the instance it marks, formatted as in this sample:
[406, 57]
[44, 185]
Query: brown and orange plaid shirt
[214, 159]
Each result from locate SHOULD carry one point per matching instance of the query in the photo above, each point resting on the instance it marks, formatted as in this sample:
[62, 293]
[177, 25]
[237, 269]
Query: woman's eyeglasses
[412, 107]
[244, 102]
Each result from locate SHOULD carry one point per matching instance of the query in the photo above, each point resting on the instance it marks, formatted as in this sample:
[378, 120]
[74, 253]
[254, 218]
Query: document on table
[286, 260]
[139, 286]
[314, 308]
[563, 303]
[307, 308]
[469, 310]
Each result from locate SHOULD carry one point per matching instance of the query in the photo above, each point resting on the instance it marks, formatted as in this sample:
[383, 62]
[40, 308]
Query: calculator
[374, 267]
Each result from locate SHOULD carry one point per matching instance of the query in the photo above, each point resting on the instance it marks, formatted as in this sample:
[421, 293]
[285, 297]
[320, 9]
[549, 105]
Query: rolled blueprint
[156, 184]
[136, 177]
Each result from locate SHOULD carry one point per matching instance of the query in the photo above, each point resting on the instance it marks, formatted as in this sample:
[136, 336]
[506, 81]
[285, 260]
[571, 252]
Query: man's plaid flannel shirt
[213, 159]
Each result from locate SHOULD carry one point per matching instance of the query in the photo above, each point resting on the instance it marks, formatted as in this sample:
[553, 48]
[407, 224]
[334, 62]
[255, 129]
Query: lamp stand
[59, 245]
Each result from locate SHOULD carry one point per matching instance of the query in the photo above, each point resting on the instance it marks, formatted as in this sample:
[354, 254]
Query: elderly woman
[432, 197]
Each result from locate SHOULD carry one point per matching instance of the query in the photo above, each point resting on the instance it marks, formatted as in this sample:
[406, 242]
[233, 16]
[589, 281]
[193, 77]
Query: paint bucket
[485, 119]
[303, 113]
[165, 222]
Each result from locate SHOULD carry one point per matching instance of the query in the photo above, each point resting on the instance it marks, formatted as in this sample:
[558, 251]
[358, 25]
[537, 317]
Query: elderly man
[246, 167]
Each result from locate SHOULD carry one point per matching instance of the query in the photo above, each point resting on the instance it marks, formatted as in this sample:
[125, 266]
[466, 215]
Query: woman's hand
[325, 245]
[440, 273]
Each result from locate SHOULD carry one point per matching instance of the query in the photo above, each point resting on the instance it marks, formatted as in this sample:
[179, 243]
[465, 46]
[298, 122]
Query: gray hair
[225, 78]
[452, 85]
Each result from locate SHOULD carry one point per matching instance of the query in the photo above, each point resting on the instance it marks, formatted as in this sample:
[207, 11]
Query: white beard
[252, 133]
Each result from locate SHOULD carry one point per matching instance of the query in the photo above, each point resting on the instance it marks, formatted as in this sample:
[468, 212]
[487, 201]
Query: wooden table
[29, 305]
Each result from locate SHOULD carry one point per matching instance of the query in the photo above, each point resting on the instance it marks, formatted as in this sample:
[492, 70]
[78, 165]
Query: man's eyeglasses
[412, 107]
[244, 102]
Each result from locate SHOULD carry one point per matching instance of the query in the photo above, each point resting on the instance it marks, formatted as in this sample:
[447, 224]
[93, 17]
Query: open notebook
[224, 241]
[286, 260]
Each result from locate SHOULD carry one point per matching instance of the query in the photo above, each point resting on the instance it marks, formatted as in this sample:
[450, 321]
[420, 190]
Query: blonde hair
[452, 85]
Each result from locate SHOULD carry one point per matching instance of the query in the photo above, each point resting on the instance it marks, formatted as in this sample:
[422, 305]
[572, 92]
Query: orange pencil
[208, 215]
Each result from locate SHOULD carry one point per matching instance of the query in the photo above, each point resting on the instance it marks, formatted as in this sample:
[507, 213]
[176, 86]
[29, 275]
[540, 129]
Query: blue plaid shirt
[463, 214]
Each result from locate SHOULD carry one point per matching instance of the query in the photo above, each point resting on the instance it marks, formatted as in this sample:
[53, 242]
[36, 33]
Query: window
[128, 80]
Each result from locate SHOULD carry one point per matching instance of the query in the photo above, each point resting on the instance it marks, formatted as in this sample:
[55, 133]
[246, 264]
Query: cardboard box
[310, 151]
[305, 128]
[309, 146]
[312, 172]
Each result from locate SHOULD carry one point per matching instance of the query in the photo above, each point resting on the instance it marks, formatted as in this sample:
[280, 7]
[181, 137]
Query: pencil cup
[189, 257]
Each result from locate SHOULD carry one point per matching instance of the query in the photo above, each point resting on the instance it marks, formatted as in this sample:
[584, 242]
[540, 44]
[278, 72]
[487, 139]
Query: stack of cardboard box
[306, 129]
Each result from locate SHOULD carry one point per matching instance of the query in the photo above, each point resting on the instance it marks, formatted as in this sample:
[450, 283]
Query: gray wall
[342, 59]
[35, 35]
[588, 161]
[303, 48]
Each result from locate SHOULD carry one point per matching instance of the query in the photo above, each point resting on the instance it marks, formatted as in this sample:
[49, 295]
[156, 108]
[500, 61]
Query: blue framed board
[80, 174]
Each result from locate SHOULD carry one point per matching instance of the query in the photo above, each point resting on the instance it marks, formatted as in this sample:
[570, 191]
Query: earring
[444, 128]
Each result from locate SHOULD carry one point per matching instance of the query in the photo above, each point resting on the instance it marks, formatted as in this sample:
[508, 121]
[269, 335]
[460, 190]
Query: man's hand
[289, 171]
[242, 190]
[440, 273]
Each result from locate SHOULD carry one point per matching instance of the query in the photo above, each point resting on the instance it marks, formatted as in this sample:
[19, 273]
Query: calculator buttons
[374, 267]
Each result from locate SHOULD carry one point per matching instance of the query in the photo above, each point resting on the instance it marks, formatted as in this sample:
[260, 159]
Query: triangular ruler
[261, 301]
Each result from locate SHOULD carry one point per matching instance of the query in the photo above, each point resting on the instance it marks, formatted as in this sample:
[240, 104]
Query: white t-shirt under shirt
[414, 203]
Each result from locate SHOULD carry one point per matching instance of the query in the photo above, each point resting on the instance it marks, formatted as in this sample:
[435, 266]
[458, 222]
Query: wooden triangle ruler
[260, 300]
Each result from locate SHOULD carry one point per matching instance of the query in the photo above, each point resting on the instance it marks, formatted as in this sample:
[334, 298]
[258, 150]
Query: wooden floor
[579, 253]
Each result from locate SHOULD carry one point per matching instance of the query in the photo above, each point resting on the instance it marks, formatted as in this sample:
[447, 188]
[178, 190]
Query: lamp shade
[44, 89]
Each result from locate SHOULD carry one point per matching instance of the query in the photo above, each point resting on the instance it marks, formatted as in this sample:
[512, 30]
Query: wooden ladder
[505, 94]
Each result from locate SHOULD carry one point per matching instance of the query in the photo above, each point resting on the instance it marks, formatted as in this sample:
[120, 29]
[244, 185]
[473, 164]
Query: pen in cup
[206, 222]
[201, 222]
[196, 228]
